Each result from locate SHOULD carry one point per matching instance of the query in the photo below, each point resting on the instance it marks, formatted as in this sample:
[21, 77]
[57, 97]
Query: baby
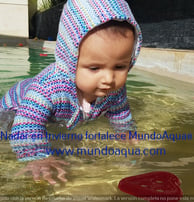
[97, 44]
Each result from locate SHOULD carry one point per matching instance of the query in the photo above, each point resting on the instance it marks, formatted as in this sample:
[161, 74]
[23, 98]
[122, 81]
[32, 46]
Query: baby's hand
[44, 166]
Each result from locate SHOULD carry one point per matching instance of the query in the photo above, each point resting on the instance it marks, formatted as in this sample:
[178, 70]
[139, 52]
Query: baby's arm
[29, 130]
[119, 113]
[29, 125]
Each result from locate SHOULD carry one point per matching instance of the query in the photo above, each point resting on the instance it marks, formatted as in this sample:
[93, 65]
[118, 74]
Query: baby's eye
[120, 67]
[93, 68]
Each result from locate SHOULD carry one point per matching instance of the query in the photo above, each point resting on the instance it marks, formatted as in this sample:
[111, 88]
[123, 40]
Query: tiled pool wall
[174, 63]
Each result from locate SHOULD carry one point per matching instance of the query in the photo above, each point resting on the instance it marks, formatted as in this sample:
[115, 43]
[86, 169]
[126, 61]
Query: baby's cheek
[84, 84]
[120, 81]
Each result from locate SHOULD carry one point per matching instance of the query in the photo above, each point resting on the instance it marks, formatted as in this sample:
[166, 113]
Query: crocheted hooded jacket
[53, 91]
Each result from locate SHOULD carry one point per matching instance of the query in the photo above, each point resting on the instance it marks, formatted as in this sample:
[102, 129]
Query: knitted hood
[80, 16]
[77, 19]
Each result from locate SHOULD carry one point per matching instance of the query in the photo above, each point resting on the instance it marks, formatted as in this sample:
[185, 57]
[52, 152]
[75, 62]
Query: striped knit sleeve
[13, 97]
[29, 130]
[119, 113]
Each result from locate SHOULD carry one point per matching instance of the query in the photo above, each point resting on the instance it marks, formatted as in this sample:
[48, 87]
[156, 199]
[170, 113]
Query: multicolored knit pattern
[52, 93]
[78, 18]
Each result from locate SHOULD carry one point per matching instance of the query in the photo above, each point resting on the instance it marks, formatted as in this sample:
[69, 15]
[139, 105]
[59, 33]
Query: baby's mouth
[105, 90]
[105, 87]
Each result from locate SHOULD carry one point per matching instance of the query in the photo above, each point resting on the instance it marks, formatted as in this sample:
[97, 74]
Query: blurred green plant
[46, 4]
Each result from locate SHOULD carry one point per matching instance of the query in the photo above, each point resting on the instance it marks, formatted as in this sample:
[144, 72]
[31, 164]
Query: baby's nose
[108, 77]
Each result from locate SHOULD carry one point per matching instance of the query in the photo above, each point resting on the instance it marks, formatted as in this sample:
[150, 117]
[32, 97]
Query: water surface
[158, 104]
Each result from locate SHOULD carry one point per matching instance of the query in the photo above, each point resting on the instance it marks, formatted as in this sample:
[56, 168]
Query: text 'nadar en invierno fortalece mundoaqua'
[99, 136]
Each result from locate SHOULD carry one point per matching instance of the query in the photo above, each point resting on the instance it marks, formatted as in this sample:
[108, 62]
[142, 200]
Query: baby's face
[103, 63]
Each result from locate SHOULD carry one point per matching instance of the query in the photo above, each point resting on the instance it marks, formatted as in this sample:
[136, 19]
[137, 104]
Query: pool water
[157, 103]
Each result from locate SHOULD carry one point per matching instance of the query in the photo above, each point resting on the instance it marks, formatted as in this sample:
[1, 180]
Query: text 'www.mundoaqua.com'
[107, 151]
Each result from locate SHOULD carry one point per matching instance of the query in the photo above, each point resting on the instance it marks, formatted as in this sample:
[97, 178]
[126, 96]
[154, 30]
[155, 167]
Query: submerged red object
[157, 186]
[43, 54]
[21, 44]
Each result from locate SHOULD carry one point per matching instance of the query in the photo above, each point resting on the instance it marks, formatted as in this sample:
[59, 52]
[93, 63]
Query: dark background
[164, 23]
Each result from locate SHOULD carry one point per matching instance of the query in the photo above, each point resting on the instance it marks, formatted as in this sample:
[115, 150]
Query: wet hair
[115, 27]
[112, 27]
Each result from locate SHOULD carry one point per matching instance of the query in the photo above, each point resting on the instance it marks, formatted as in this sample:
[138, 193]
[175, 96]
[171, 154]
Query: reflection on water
[157, 104]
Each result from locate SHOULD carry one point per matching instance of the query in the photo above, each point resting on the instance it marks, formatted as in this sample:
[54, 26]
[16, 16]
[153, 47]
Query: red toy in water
[21, 44]
[43, 54]
[154, 186]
